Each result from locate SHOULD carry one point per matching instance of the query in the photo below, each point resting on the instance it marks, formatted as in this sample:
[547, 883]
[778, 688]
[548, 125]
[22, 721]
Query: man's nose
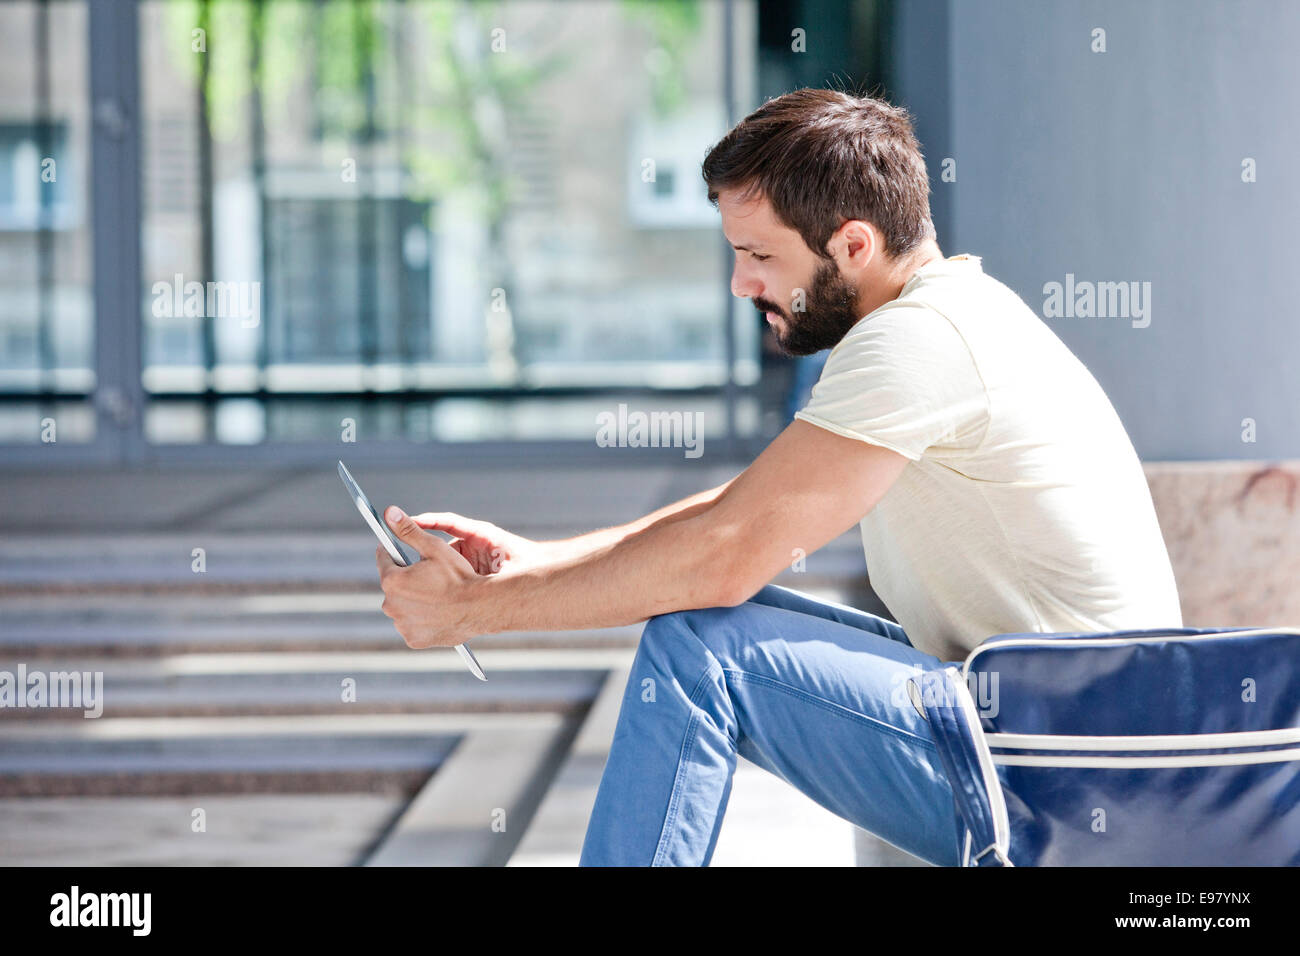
[743, 285]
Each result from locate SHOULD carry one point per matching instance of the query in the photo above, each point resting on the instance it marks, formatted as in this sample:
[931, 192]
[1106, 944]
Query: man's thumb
[404, 527]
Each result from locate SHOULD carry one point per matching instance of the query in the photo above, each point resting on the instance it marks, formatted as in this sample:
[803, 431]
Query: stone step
[561, 682]
[474, 810]
[187, 755]
[537, 500]
[555, 832]
[322, 561]
[292, 621]
[241, 829]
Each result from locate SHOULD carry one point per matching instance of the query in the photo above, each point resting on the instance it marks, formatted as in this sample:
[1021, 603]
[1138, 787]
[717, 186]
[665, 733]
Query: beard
[829, 312]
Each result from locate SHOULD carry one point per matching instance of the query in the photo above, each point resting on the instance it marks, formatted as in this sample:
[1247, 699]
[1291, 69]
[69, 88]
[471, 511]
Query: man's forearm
[572, 548]
[668, 565]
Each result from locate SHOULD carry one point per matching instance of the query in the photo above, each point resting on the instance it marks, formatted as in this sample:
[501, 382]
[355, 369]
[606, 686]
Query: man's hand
[487, 548]
[428, 601]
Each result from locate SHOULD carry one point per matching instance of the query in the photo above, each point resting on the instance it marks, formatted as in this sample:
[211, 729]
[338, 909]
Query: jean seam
[831, 706]
[688, 746]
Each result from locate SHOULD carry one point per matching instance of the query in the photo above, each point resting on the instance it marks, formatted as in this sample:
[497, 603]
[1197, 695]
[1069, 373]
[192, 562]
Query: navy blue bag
[1157, 747]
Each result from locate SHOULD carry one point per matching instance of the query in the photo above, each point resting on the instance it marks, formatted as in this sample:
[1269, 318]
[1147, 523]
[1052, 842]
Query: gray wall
[1126, 166]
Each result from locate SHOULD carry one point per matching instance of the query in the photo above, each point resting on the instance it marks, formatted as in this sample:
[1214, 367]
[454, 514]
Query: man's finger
[384, 561]
[453, 524]
[406, 528]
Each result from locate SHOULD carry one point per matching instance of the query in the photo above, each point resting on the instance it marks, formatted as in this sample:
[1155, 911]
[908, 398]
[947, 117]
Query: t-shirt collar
[965, 262]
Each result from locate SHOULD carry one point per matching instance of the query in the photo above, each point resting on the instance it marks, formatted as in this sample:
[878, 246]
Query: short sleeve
[902, 378]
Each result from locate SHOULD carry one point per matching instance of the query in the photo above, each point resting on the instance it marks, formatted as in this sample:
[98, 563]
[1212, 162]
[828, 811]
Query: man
[996, 489]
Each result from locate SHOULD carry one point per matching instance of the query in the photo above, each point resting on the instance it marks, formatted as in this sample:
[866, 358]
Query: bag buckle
[996, 852]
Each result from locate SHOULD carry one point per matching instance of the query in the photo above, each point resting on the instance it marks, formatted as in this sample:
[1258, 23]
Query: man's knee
[691, 635]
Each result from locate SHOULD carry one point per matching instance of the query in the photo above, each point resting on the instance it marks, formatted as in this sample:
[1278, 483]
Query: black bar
[330, 907]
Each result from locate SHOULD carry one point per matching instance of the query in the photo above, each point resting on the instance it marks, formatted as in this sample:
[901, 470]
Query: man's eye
[761, 258]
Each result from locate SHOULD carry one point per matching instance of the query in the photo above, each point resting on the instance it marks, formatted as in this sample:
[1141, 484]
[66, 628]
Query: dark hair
[823, 157]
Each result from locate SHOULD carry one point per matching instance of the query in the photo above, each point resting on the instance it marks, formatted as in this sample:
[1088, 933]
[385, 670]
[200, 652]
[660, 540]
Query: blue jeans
[810, 691]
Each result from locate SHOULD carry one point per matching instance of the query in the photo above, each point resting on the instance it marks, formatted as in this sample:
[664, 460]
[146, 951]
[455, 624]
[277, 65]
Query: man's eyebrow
[752, 248]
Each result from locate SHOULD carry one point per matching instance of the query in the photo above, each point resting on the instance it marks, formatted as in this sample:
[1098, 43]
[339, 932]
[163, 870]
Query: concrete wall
[1126, 166]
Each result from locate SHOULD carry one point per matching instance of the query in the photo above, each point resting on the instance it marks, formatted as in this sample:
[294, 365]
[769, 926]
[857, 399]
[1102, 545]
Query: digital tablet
[399, 552]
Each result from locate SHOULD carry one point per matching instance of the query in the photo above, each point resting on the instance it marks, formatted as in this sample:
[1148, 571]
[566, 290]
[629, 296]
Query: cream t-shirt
[1024, 506]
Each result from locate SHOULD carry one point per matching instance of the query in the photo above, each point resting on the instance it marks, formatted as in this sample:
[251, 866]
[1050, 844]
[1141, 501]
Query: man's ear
[856, 244]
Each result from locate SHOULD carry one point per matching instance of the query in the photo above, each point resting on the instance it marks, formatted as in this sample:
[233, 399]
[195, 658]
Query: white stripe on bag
[1134, 763]
[1243, 738]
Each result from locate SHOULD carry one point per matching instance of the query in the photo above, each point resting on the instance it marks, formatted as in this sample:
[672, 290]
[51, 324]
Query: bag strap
[945, 701]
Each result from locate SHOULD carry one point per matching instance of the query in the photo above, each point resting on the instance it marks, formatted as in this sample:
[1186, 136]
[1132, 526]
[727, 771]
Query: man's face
[805, 298]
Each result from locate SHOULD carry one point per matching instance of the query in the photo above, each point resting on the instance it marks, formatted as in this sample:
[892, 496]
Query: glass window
[456, 208]
[47, 344]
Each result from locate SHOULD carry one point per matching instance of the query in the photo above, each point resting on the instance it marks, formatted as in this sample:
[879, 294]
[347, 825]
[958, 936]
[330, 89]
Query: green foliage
[453, 102]
[231, 28]
[674, 28]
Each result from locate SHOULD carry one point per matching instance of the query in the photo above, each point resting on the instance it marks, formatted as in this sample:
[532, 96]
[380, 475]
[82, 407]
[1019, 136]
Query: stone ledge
[1233, 533]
